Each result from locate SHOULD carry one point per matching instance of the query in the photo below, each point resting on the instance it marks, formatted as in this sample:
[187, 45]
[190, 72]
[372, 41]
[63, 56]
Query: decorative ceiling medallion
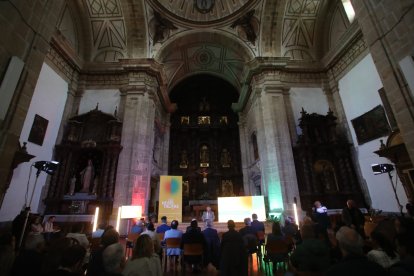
[204, 6]
[203, 57]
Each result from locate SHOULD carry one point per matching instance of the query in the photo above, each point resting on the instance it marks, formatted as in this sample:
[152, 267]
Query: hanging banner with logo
[170, 200]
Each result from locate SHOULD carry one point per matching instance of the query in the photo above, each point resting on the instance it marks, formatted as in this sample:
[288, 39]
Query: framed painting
[371, 125]
[38, 130]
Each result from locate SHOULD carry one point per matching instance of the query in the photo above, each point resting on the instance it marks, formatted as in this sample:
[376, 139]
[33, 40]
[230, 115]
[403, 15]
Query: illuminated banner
[241, 207]
[170, 201]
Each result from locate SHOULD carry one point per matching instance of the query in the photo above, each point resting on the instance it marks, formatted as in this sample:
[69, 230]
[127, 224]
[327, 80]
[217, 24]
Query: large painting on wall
[38, 131]
[371, 125]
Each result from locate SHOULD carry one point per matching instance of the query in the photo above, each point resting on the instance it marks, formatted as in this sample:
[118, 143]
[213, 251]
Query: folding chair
[130, 242]
[192, 249]
[172, 243]
[277, 251]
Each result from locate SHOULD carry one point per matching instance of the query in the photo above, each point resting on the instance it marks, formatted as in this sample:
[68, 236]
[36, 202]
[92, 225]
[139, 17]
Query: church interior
[293, 100]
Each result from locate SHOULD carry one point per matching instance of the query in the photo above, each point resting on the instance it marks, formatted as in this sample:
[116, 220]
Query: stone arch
[204, 52]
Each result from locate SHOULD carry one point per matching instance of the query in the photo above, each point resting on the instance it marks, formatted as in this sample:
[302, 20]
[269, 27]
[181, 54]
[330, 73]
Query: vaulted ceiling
[190, 37]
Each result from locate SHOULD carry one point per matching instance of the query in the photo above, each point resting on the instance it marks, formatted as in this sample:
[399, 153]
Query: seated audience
[95, 266]
[113, 259]
[154, 237]
[36, 226]
[78, 235]
[144, 261]
[212, 253]
[189, 227]
[54, 252]
[193, 235]
[138, 227]
[29, 261]
[256, 224]
[353, 260]
[163, 227]
[290, 228]
[383, 252]
[248, 234]
[312, 255]
[405, 248]
[173, 233]
[233, 260]
[71, 262]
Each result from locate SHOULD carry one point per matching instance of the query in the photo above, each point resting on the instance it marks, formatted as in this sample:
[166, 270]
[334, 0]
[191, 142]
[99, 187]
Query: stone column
[134, 166]
[276, 155]
[245, 155]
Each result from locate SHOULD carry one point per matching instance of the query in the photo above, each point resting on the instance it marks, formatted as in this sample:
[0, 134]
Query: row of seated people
[344, 253]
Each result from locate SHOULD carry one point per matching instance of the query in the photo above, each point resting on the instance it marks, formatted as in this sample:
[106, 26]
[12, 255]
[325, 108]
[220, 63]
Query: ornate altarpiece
[204, 142]
[88, 157]
[324, 164]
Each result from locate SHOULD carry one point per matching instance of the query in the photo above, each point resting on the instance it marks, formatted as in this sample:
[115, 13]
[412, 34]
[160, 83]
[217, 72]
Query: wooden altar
[88, 159]
[324, 164]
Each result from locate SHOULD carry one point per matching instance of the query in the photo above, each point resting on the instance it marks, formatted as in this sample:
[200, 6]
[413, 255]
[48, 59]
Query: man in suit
[233, 259]
[208, 215]
[193, 235]
[163, 226]
[212, 254]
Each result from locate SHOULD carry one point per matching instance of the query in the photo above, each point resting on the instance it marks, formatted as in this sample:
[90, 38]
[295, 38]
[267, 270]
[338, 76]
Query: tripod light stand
[388, 168]
[46, 166]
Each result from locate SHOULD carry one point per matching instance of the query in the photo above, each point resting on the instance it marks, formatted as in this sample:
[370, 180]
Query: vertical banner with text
[170, 201]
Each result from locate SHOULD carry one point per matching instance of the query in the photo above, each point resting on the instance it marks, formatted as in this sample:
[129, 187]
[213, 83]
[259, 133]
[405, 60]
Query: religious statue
[204, 105]
[72, 185]
[87, 176]
[95, 185]
[184, 159]
[225, 158]
[204, 156]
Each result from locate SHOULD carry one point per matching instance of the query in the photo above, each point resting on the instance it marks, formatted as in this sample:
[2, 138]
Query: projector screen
[239, 208]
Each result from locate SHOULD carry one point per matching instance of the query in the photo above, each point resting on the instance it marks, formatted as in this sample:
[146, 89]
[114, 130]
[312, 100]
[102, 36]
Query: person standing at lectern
[208, 215]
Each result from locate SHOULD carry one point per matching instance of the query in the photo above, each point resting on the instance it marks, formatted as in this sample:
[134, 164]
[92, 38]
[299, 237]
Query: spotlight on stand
[382, 168]
[388, 168]
[48, 167]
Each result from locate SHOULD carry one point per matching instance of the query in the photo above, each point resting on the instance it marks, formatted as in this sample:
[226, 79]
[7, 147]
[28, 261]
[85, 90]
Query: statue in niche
[72, 185]
[95, 185]
[87, 176]
[227, 188]
[204, 156]
[184, 159]
[225, 158]
[204, 105]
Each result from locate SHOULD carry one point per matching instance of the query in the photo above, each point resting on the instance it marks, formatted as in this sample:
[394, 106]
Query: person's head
[307, 232]
[113, 258]
[405, 244]
[276, 230]
[247, 221]
[194, 224]
[317, 204]
[72, 257]
[51, 219]
[231, 225]
[403, 224]
[380, 240]
[174, 224]
[150, 226]
[254, 216]
[350, 242]
[209, 223]
[110, 236]
[144, 247]
[164, 219]
[208, 208]
[350, 204]
[37, 220]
